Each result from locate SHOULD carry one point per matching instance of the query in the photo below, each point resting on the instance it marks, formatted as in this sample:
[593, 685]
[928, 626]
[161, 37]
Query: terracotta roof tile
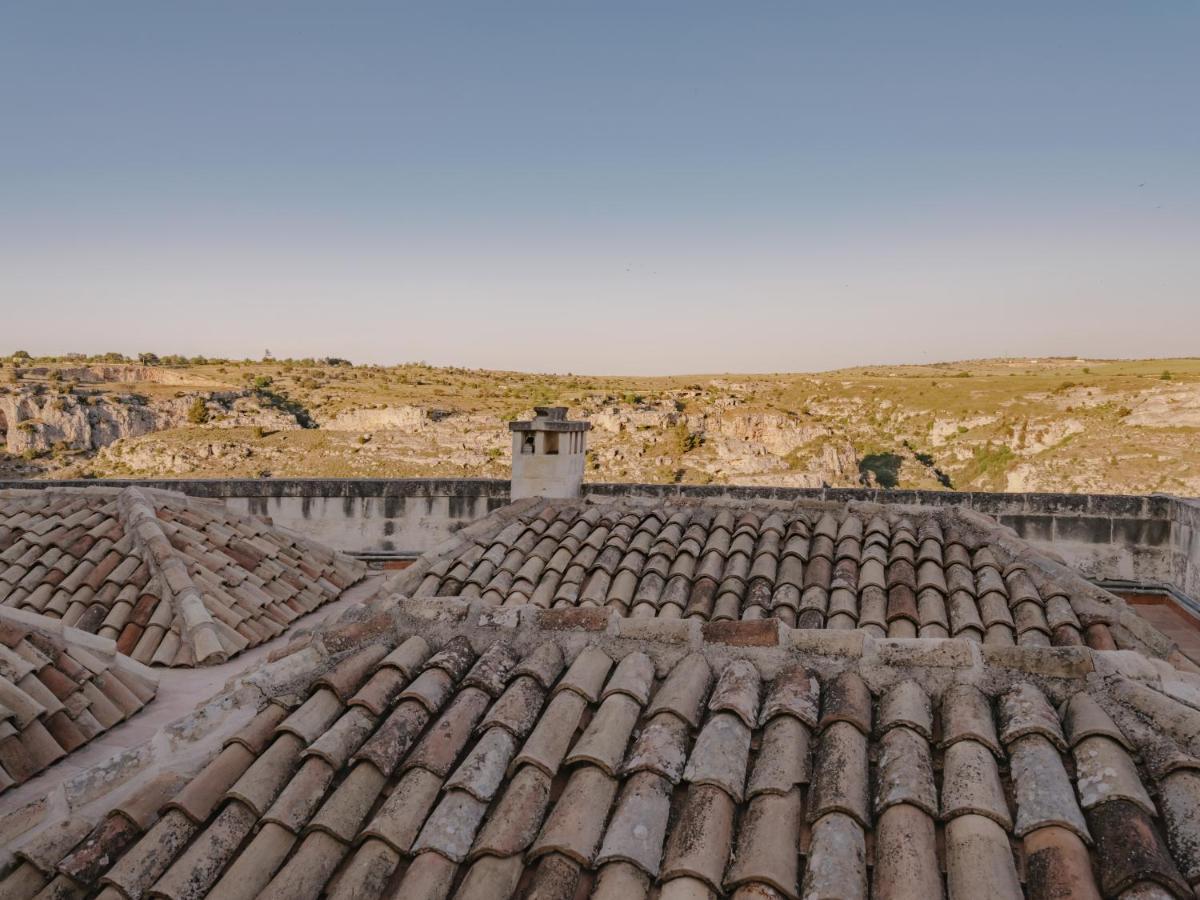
[56, 694]
[153, 572]
[296, 802]
[1057, 865]
[1105, 771]
[905, 845]
[1130, 850]
[967, 715]
[261, 783]
[551, 737]
[1044, 793]
[1025, 710]
[575, 825]
[847, 699]
[587, 674]
[721, 755]
[905, 772]
[837, 865]
[639, 824]
[525, 777]
[979, 861]
[841, 773]
[661, 748]
[809, 566]
[767, 848]
[685, 690]
[346, 808]
[699, 844]
[603, 742]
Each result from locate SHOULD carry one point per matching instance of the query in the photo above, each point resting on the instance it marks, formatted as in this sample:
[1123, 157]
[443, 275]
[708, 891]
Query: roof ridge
[197, 627]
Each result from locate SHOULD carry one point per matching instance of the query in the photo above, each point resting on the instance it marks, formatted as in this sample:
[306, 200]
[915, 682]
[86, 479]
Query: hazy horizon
[276, 359]
[675, 189]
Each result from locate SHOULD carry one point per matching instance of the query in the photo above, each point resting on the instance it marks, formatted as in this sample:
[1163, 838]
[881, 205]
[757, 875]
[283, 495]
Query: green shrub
[884, 466]
[198, 412]
[683, 440]
[989, 466]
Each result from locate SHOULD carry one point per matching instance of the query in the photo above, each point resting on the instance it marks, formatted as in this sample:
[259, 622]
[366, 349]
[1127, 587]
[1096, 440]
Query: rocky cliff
[1074, 425]
[35, 419]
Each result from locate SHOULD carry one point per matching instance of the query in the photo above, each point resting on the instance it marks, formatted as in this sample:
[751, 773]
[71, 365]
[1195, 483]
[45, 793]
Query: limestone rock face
[1168, 408]
[403, 418]
[123, 373]
[777, 433]
[40, 420]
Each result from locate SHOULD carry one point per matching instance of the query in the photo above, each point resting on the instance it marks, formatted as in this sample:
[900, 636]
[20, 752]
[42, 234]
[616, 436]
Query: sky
[616, 187]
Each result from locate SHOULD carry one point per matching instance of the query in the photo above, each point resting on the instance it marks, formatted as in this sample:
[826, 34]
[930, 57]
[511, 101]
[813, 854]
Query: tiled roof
[895, 574]
[173, 580]
[59, 688]
[557, 768]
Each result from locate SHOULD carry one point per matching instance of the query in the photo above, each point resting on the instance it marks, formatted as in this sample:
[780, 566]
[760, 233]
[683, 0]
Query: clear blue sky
[603, 187]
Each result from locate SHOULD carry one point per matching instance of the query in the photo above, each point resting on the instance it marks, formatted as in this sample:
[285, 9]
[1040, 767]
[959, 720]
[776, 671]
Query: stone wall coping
[293, 487]
[1118, 505]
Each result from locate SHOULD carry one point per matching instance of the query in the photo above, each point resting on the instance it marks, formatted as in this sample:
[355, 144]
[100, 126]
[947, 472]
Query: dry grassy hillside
[1018, 424]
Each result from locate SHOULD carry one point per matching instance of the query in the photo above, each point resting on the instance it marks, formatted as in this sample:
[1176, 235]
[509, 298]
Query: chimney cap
[550, 418]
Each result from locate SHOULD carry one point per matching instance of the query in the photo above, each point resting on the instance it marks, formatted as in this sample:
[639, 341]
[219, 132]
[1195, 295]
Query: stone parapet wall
[370, 516]
[1185, 546]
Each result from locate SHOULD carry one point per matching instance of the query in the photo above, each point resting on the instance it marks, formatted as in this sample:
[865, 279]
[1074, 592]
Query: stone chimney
[548, 454]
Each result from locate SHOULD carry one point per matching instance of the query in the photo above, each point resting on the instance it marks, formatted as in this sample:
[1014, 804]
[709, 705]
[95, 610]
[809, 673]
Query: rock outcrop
[39, 419]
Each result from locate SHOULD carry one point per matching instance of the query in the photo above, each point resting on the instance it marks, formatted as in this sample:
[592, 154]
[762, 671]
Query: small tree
[148, 359]
[21, 354]
[198, 412]
[684, 440]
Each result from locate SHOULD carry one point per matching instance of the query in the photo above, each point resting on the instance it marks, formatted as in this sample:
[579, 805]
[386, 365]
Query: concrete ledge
[1051, 662]
[672, 631]
[936, 653]
[577, 618]
[827, 642]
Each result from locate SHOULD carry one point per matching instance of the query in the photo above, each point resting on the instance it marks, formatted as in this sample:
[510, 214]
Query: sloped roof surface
[895, 574]
[527, 769]
[173, 580]
[59, 688]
